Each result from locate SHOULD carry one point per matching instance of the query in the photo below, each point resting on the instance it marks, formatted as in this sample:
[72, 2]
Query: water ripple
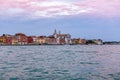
[80, 62]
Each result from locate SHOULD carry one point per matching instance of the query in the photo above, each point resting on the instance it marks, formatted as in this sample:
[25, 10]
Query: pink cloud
[108, 8]
[47, 8]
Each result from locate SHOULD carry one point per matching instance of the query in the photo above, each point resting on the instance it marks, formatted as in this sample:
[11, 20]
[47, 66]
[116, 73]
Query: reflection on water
[78, 62]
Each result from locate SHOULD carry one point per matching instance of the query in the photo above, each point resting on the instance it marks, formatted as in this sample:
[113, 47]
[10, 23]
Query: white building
[62, 38]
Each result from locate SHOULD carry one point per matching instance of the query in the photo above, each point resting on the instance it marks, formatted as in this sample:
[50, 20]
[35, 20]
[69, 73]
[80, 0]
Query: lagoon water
[63, 62]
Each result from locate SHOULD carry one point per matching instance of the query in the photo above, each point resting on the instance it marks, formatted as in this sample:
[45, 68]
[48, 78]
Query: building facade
[51, 40]
[22, 38]
[62, 38]
[42, 40]
[29, 40]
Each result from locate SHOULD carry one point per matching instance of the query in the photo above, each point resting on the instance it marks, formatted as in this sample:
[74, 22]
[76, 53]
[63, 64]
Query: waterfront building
[22, 38]
[8, 39]
[62, 38]
[3, 39]
[98, 41]
[14, 40]
[29, 40]
[81, 41]
[77, 41]
[51, 40]
[74, 41]
[42, 40]
[35, 39]
[55, 39]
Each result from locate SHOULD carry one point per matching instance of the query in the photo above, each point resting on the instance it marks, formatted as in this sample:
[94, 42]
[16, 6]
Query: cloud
[103, 8]
[54, 8]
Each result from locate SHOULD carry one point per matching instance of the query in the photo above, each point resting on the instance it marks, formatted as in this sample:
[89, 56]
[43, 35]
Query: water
[77, 62]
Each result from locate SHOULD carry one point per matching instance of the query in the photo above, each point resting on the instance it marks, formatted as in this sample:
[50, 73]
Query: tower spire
[55, 32]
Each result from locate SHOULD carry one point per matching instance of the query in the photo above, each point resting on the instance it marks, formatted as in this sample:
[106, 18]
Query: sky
[89, 19]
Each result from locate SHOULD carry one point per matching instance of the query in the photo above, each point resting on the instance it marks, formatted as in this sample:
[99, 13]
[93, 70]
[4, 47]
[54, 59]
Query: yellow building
[41, 40]
[2, 40]
[81, 41]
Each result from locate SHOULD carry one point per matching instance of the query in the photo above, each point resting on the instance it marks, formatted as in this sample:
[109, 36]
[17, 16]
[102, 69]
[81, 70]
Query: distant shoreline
[57, 44]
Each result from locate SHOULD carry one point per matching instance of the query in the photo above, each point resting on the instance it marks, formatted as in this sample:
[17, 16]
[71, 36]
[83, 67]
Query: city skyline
[89, 19]
[57, 38]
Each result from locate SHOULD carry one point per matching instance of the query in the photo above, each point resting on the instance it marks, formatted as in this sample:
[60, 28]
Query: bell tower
[55, 33]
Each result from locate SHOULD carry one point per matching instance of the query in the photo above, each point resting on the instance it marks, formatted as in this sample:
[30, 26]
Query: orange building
[14, 40]
[3, 39]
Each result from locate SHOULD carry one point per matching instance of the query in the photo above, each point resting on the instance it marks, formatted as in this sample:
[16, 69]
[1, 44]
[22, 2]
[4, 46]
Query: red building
[9, 40]
[29, 40]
